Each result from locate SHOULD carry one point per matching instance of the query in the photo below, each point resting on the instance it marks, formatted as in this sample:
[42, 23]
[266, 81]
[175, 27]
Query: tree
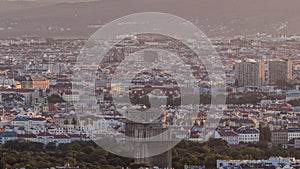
[66, 121]
[19, 153]
[210, 160]
[71, 161]
[138, 165]
[292, 141]
[188, 159]
[74, 121]
[260, 144]
[116, 162]
[171, 101]
[10, 159]
[264, 133]
[51, 146]
[284, 84]
[205, 99]
[55, 98]
[236, 83]
[141, 100]
[217, 143]
[248, 98]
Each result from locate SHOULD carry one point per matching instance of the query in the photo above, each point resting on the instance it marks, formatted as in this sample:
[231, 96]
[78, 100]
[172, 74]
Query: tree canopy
[86, 155]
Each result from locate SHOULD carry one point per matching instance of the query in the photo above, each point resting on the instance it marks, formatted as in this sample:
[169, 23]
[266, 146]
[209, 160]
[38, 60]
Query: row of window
[251, 135]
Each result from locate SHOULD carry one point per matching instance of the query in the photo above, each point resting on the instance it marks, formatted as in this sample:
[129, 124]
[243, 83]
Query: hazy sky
[56, 18]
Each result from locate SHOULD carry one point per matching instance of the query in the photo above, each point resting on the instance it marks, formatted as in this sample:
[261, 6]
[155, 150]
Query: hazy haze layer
[215, 17]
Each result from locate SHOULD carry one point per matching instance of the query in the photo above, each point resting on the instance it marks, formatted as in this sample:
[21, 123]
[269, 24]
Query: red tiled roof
[44, 134]
[76, 135]
[26, 136]
[37, 119]
[61, 136]
[18, 90]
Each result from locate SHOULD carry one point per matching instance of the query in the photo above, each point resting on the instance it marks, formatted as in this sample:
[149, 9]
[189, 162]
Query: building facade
[231, 137]
[40, 82]
[279, 136]
[293, 133]
[250, 73]
[279, 70]
[247, 134]
[6, 136]
[272, 162]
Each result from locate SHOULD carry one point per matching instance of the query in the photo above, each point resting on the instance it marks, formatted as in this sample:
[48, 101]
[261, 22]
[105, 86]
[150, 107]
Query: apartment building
[250, 73]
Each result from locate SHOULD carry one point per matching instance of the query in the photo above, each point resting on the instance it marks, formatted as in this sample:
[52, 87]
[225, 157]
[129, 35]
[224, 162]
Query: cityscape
[150, 102]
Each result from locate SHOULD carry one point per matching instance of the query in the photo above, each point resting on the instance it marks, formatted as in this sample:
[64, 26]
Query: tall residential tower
[279, 70]
[250, 73]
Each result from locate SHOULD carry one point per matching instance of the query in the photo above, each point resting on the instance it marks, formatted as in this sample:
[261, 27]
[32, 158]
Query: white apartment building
[247, 134]
[6, 136]
[71, 97]
[293, 133]
[288, 162]
[231, 137]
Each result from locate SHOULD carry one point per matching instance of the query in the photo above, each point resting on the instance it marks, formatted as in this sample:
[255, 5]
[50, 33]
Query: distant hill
[214, 17]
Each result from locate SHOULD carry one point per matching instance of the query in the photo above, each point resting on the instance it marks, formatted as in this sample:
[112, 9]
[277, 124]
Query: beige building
[250, 73]
[279, 136]
[279, 70]
[40, 83]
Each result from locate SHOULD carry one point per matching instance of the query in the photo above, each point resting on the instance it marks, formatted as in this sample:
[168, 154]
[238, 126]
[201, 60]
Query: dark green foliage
[265, 133]
[86, 155]
[205, 99]
[66, 121]
[248, 98]
[206, 153]
[143, 100]
[171, 101]
[217, 143]
[74, 121]
[55, 98]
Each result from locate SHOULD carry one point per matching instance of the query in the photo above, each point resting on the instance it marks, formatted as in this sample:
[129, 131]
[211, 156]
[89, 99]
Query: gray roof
[247, 130]
[8, 134]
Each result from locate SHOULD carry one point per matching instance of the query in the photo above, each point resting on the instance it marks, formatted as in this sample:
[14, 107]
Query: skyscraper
[250, 73]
